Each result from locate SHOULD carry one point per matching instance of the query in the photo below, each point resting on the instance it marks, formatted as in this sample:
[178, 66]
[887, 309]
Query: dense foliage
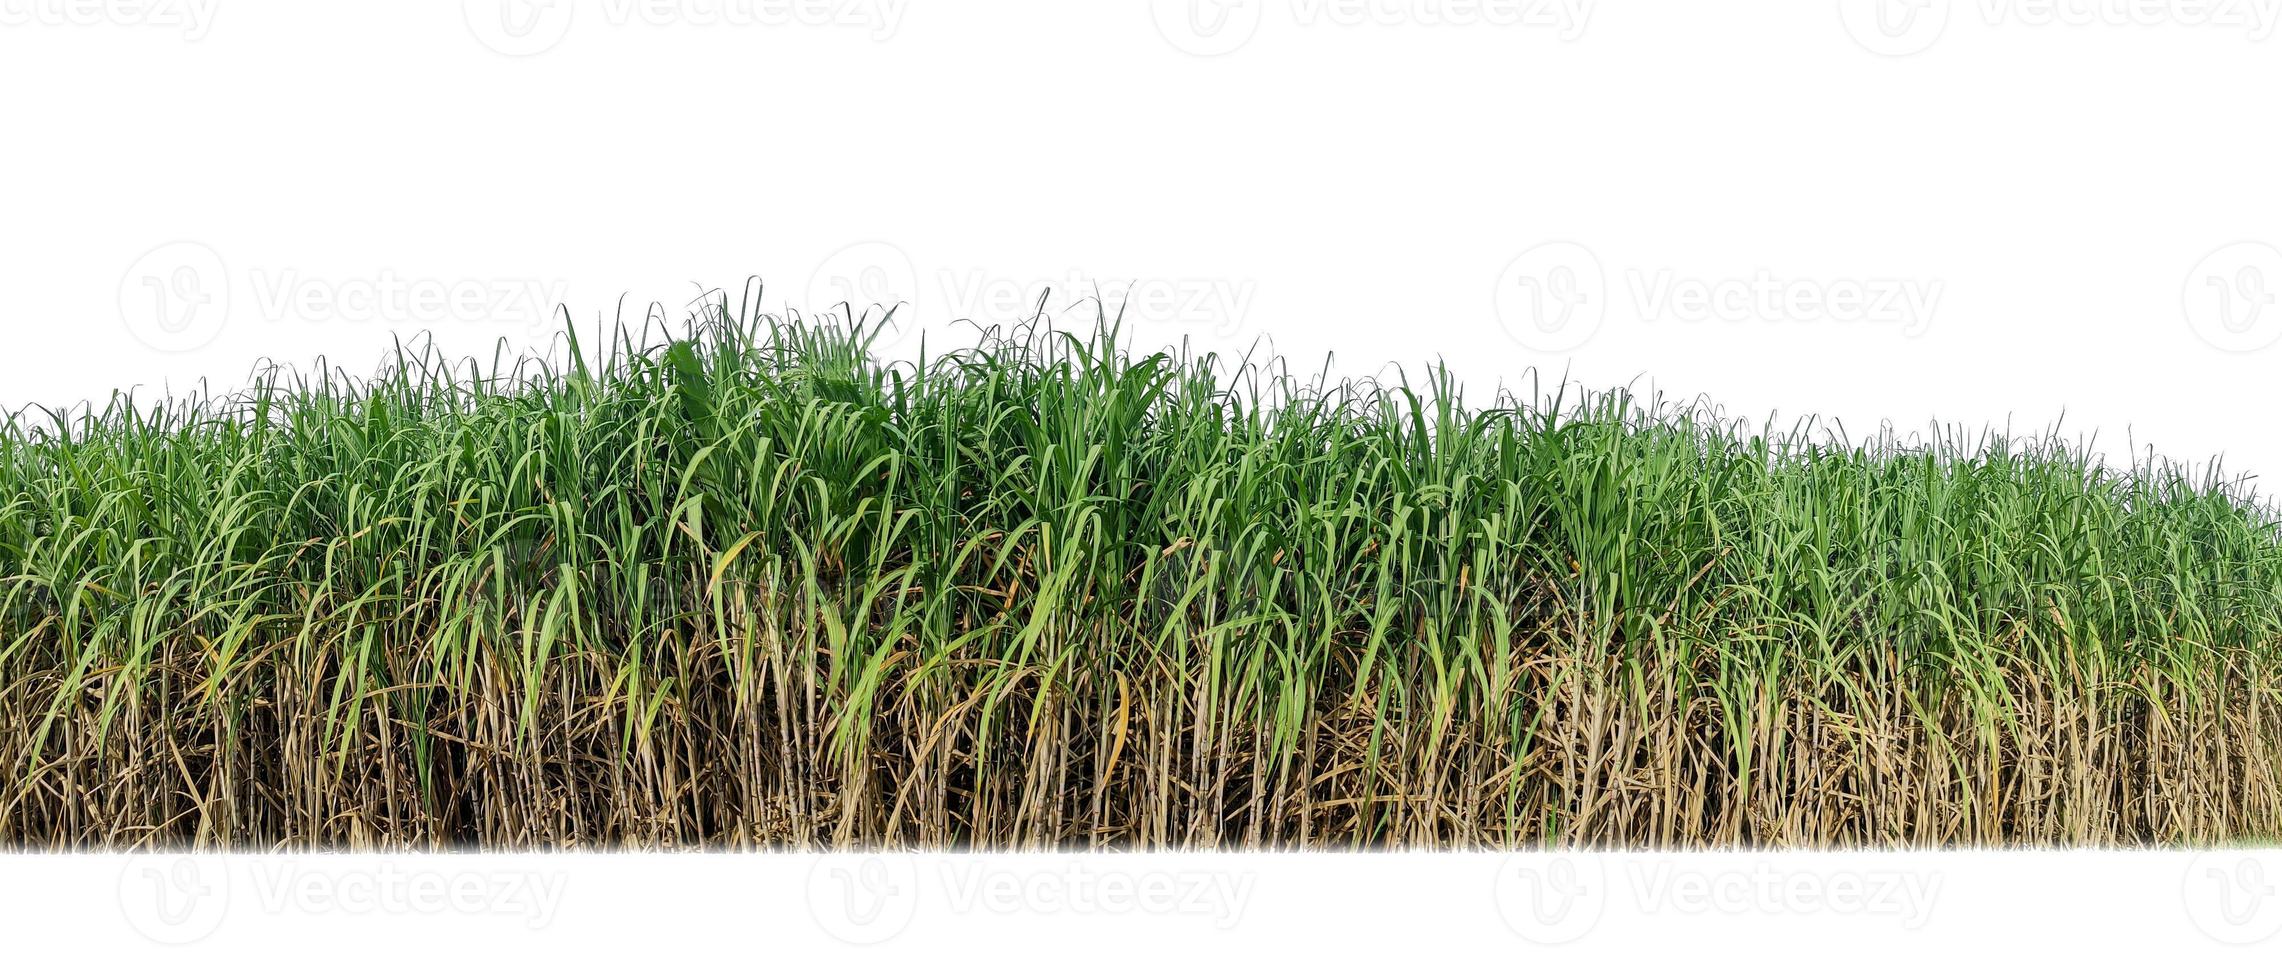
[748, 586]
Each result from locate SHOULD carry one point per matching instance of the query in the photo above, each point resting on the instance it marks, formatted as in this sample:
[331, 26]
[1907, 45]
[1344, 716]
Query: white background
[2144, 914]
[2080, 196]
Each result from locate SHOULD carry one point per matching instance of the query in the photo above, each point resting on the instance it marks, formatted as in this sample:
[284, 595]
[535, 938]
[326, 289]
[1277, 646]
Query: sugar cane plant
[743, 584]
